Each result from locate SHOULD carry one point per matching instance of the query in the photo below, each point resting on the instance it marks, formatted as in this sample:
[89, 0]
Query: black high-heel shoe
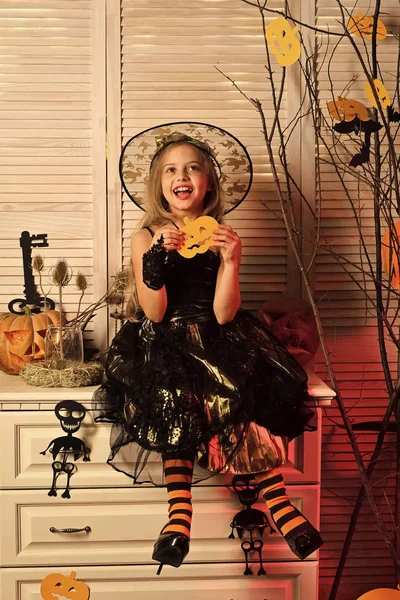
[170, 549]
[304, 541]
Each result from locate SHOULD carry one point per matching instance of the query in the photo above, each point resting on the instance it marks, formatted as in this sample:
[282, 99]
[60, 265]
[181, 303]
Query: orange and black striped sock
[287, 518]
[178, 470]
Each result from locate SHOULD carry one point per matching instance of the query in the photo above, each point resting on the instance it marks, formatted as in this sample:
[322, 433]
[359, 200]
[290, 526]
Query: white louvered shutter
[169, 50]
[52, 142]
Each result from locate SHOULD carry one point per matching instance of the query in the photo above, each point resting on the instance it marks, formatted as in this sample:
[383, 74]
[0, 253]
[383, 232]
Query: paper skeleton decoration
[249, 520]
[70, 415]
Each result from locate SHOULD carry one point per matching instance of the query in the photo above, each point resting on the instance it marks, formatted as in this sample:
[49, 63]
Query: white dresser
[114, 557]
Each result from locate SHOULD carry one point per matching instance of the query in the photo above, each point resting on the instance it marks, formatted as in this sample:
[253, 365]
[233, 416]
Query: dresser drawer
[25, 434]
[124, 525]
[285, 581]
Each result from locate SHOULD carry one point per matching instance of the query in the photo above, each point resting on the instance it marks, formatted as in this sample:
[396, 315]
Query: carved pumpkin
[198, 235]
[381, 91]
[55, 584]
[22, 338]
[390, 254]
[346, 109]
[381, 594]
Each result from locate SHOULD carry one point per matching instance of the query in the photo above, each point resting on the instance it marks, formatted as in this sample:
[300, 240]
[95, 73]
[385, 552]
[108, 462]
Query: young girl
[193, 375]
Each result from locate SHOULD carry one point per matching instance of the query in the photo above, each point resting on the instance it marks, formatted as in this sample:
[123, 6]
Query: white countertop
[14, 389]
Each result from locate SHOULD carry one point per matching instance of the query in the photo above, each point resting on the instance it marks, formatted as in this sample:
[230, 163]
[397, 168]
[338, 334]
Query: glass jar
[63, 346]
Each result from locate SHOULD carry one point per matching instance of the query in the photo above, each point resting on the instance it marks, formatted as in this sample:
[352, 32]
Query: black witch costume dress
[230, 393]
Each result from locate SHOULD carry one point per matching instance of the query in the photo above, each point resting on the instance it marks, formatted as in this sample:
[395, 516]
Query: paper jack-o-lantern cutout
[198, 235]
[381, 91]
[390, 255]
[362, 26]
[347, 109]
[56, 585]
[22, 338]
[283, 41]
[381, 594]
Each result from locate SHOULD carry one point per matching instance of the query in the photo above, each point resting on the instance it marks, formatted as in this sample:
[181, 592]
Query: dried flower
[115, 298]
[81, 282]
[38, 263]
[121, 280]
[61, 273]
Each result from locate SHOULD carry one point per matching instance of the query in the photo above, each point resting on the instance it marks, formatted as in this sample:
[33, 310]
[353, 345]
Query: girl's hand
[173, 238]
[229, 244]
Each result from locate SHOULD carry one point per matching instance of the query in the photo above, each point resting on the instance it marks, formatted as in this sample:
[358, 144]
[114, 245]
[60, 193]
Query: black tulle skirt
[231, 393]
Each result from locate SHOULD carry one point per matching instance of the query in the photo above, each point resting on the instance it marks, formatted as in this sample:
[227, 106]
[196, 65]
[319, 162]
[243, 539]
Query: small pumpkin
[198, 235]
[22, 338]
[390, 254]
[55, 584]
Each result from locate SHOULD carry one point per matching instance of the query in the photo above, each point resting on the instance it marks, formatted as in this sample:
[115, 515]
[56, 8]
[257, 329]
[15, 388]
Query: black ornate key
[32, 296]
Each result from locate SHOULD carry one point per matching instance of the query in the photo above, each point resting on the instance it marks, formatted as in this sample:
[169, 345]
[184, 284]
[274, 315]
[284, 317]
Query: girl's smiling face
[184, 181]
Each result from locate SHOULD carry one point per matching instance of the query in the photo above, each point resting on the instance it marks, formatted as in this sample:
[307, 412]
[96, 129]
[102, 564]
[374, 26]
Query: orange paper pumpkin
[381, 91]
[22, 339]
[362, 25]
[283, 41]
[390, 254]
[346, 109]
[198, 235]
[57, 585]
[381, 594]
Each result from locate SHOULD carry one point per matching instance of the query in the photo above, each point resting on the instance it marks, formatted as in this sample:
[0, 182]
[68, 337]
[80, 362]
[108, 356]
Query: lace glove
[154, 265]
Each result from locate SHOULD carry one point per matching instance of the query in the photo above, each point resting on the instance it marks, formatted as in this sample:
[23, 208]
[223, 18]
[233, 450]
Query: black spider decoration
[70, 415]
[249, 519]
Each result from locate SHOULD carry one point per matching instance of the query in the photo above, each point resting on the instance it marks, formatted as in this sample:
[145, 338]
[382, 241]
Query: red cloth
[293, 323]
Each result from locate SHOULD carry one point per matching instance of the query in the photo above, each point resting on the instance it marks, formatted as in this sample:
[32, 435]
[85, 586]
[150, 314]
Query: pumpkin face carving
[198, 235]
[22, 339]
[362, 26]
[56, 585]
[343, 109]
[283, 41]
[381, 92]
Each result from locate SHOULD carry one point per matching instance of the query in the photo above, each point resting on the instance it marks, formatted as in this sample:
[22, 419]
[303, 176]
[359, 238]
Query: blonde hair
[157, 209]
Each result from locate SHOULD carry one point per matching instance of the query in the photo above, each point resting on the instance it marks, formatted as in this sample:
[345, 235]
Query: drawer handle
[70, 530]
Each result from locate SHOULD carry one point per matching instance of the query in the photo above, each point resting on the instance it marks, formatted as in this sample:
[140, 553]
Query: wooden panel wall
[52, 142]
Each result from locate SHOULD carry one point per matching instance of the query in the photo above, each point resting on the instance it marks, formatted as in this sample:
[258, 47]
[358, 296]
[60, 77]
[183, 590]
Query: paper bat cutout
[356, 125]
[361, 157]
[393, 116]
